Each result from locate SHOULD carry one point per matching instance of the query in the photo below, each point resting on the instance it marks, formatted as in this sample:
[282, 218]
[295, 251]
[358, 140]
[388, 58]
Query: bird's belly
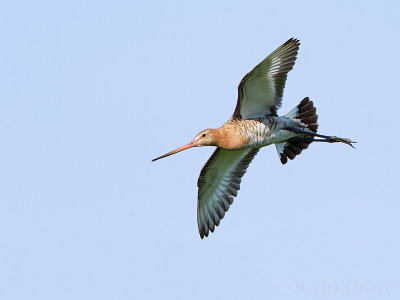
[269, 132]
[277, 136]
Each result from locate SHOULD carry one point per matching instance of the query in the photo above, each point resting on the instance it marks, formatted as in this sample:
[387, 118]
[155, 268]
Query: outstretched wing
[260, 91]
[218, 184]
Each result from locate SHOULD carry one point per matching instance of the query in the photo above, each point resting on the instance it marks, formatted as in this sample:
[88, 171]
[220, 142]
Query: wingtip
[202, 235]
[294, 40]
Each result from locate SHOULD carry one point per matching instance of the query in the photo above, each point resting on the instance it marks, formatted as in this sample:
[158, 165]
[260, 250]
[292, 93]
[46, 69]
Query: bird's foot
[336, 139]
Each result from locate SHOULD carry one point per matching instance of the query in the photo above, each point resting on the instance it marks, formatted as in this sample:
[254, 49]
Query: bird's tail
[306, 113]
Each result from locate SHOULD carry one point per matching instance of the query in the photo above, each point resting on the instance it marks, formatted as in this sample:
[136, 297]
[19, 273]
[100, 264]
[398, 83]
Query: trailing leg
[327, 139]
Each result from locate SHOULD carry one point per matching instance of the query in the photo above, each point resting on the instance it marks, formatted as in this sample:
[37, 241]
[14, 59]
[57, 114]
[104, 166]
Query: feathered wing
[218, 184]
[260, 91]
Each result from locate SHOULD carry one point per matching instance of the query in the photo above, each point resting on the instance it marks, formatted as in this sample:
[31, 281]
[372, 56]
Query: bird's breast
[244, 133]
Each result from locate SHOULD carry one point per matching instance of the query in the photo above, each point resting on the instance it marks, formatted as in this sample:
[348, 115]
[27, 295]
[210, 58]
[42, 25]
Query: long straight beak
[187, 146]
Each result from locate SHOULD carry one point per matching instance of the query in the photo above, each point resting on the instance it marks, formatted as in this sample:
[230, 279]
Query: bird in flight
[253, 125]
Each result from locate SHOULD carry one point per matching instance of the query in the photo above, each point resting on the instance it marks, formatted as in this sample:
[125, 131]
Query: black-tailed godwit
[254, 124]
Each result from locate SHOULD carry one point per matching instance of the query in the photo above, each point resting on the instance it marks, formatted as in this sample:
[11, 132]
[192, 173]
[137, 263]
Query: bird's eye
[203, 135]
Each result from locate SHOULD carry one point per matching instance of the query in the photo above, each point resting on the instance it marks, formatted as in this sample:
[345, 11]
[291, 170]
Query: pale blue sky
[91, 91]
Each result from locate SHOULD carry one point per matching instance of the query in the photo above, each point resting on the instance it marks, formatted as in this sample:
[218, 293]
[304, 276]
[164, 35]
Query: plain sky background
[91, 91]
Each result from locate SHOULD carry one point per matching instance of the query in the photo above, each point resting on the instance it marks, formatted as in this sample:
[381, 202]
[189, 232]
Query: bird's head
[206, 137]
